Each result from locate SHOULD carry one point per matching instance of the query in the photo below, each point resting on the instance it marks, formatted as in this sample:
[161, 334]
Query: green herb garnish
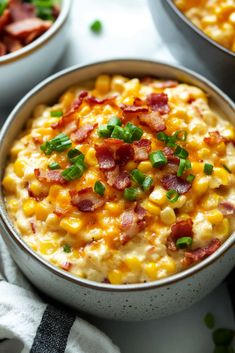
[99, 188]
[172, 195]
[184, 242]
[59, 143]
[96, 26]
[54, 165]
[157, 159]
[208, 168]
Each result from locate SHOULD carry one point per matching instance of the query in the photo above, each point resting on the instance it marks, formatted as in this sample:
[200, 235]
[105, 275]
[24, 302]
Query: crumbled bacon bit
[33, 226]
[111, 175]
[169, 154]
[22, 29]
[132, 222]
[21, 11]
[93, 100]
[38, 197]
[138, 102]
[141, 149]
[158, 102]
[105, 157]
[122, 181]
[5, 19]
[124, 154]
[12, 44]
[199, 254]
[82, 133]
[86, 200]
[3, 49]
[227, 208]
[171, 181]
[131, 111]
[153, 120]
[214, 139]
[178, 230]
[51, 176]
[66, 266]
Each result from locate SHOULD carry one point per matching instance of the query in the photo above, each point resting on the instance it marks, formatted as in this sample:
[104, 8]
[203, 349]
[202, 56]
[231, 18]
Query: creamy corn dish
[124, 180]
[216, 18]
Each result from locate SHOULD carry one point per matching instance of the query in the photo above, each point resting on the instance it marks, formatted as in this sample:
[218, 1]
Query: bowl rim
[10, 231]
[198, 31]
[41, 40]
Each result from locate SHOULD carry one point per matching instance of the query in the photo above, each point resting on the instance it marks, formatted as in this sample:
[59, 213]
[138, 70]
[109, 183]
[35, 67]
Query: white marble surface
[128, 31]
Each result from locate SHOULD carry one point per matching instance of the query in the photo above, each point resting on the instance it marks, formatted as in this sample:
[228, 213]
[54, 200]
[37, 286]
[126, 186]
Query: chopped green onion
[157, 159]
[99, 188]
[172, 195]
[103, 131]
[59, 143]
[181, 135]
[118, 133]
[3, 6]
[67, 248]
[209, 320]
[208, 168]
[96, 26]
[138, 176]
[133, 132]
[188, 164]
[147, 183]
[54, 165]
[227, 168]
[74, 155]
[184, 242]
[181, 167]
[223, 336]
[190, 178]
[181, 152]
[74, 172]
[56, 113]
[114, 121]
[161, 136]
[131, 194]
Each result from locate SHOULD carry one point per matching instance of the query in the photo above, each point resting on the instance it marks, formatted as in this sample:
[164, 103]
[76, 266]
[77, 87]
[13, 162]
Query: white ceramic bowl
[127, 302]
[21, 70]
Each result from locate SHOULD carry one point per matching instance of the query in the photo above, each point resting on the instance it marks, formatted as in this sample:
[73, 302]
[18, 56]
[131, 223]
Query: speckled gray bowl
[126, 302]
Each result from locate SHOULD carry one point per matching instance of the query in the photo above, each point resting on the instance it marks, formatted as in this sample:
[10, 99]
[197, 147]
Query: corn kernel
[151, 208]
[200, 184]
[67, 99]
[210, 202]
[133, 263]
[12, 204]
[117, 83]
[29, 207]
[102, 84]
[151, 269]
[19, 167]
[9, 183]
[214, 216]
[229, 133]
[168, 216]
[166, 267]
[54, 192]
[204, 153]
[131, 165]
[115, 277]
[85, 110]
[222, 229]
[145, 166]
[197, 167]
[219, 177]
[90, 157]
[47, 247]
[71, 225]
[158, 196]
[42, 210]
[180, 202]
[18, 147]
[114, 207]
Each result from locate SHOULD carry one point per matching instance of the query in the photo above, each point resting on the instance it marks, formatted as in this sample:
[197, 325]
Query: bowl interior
[48, 92]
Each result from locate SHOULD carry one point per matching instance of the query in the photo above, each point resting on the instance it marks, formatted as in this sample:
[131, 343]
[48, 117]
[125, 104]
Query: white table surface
[129, 32]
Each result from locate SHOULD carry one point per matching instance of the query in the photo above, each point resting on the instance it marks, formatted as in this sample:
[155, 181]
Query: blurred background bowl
[191, 47]
[21, 70]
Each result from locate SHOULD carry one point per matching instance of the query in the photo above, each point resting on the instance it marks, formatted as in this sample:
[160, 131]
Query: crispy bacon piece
[153, 120]
[33, 226]
[50, 176]
[38, 197]
[122, 181]
[158, 102]
[131, 111]
[199, 254]
[132, 222]
[178, 230]
[171, 181]
[66, 266]
[214, 139]
[12, 44]
[82, 133]
[138, 102]
[111, 175]
[141, 149]
[22, 29]
[227, 208]
[105, 157]
[21, 11]
[169, 154]
[86, 200]
[93, 100]
[5, 19]
[3, 49]
[124, 154]
[68, 116]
